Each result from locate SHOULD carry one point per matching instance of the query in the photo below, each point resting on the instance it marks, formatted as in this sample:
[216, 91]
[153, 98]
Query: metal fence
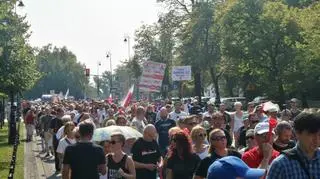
[14, 153]
[16, 114]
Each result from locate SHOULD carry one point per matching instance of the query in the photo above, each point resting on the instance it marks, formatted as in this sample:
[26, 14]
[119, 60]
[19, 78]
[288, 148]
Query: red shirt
[29, 118]
[254, 157]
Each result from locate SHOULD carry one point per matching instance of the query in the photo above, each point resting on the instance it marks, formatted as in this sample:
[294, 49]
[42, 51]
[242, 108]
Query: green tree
[60, 72]
[17, 61]
[303, 79]
[262, 36]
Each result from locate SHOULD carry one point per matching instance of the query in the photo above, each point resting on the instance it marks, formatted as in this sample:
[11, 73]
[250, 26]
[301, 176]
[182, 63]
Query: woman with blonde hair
[68, 139]
[236, 121]
[218, 149]
[198, 135]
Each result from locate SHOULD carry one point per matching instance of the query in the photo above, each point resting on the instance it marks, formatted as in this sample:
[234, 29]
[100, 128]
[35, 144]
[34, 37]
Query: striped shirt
[285, 168]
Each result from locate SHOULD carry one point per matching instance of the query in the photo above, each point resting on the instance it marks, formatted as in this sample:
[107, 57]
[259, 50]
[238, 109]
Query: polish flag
[126, 101]
[110, 100]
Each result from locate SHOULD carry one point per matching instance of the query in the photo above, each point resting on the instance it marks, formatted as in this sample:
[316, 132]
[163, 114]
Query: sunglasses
[173, 140]
[249, 137]
[218, 138]
[203, 135]
[113, 142]
[264, 135]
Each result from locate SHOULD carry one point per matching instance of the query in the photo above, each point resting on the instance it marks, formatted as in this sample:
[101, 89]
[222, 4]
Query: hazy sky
[89, 28]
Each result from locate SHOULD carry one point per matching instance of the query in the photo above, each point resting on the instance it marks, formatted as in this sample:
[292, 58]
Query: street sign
[181, 73]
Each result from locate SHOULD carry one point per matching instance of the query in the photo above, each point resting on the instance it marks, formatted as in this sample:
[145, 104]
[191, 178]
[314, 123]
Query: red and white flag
[126, 101]
[110, 100]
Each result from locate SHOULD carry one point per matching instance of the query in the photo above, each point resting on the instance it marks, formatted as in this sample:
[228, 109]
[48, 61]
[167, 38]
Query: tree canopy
[263, 47]
[60, 72]
[17, 61]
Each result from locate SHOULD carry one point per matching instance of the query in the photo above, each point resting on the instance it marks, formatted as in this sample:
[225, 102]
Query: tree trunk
[229, 85]
[215, 81]
[12, 122]
[276, 75]
[281, 93]
[304, 99]
[197, 83]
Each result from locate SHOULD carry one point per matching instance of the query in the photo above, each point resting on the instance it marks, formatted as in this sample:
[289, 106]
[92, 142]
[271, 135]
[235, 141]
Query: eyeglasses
[218, 138]
[249, 137]
[264, 135]
[203, 135]
[113, 142]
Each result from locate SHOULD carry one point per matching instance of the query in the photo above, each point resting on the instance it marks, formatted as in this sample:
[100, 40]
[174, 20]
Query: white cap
[261, 128]
[270, 107]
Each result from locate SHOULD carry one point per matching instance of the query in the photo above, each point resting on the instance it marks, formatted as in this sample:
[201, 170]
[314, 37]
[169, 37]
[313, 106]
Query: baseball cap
[262, 127]
[250, 132]
[231, 167]
[294, 100]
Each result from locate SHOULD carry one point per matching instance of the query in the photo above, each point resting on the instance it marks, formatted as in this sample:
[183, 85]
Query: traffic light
[87, 72]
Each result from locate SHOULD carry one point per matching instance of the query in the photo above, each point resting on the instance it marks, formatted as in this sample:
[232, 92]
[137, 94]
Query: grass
[6, 154]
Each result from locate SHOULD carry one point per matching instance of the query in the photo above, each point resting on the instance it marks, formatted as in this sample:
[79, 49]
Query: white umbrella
[105, 133]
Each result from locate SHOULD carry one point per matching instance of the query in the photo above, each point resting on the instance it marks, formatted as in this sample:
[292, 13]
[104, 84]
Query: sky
[89, 28]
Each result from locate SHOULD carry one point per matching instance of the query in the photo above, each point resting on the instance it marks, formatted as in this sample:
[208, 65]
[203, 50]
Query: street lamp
[98, 80]
[127, 40]
[21, 4]
[109, 56]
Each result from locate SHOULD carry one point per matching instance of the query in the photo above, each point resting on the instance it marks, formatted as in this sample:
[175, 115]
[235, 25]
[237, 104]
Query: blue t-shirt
[163, 127]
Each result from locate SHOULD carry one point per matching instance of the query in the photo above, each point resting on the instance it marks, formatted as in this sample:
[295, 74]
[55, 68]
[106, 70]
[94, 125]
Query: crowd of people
[181, 140]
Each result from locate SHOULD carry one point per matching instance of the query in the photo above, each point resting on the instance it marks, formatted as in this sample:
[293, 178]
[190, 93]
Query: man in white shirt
[102, 114]
[138, 122]
[177, 113]
[210, 110]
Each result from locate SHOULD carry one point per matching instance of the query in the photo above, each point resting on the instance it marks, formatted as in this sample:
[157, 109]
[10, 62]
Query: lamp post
[127, 40]
[109, 56]
[98, 81]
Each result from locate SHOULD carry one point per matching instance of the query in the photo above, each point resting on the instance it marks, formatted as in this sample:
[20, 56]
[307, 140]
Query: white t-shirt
[76, 118]
[176, 116]
[204, 154]
[102, 115]
[63, 144]
[59, 133]
[238, 122]
[186, 108]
